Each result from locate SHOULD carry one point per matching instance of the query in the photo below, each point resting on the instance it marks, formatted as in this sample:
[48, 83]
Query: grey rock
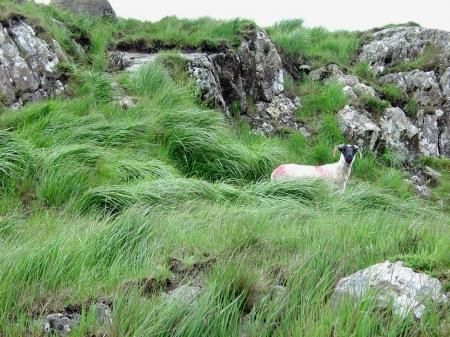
[429, 133]
[445, 83]
[422, 86]
[94, 8]
[359, 127]
[332, 72]
[27, 65]
[103, 313]
[422, 191]
[408, 291]
[395, 45]
[184, 294]
[125, 102]
[61, 324]
[431, 173]
[399, 132]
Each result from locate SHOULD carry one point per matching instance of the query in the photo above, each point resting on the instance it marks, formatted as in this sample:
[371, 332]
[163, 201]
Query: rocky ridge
[28, 65]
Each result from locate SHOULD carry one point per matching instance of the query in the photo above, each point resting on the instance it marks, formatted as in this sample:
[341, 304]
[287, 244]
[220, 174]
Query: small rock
[408, 291]
[126, 102]
[103, 313]
[61, 324]
[184, 294]
[431, 173]
[422, 191]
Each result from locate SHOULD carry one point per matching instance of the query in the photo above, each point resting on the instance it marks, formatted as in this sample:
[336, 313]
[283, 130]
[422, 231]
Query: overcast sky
[332, 14]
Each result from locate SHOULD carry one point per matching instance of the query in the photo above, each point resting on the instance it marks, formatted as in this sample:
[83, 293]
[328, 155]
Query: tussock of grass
[314, 45]
[426, 61]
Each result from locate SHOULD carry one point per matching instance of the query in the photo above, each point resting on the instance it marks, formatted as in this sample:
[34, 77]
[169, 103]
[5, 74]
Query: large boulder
[358, 127]
[399, 133]
[396, 45]
[94, 8]
[408, 292]
[28, 65]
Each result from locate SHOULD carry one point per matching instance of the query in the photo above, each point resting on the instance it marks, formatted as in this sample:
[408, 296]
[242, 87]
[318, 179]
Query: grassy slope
[93, 197]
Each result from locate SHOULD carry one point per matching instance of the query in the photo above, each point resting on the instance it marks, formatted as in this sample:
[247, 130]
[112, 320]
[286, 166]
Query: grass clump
[173, 33]
[320, 99]
[427, 60]
[392, 94]
[363, 70]
[314, 45]
[412, 107]
[374, 104]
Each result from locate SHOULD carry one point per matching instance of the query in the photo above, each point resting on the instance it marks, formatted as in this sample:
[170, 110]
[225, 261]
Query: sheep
[337, 173]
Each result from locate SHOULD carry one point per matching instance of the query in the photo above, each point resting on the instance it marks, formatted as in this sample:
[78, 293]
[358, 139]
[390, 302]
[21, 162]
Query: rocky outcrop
[246, 83]
[427, 90]
[421, 86]
[392, 283]
[249, 80]
[94, 8]
[359, 127]
[396, 45]
[28, 65]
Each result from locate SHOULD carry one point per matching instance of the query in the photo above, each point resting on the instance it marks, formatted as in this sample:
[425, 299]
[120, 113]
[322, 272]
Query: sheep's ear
[336, 148]
[356, 147]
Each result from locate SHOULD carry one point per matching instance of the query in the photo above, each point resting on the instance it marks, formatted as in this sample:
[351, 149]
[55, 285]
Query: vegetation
[374, 105]
[95, 201]
[426, 61]
[392, 93]
[316, 45]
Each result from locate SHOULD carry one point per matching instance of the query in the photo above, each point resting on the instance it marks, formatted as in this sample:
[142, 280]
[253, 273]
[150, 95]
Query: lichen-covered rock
[408, 291]
[184, 294]
[250, 80]
[395, 45]
[429, 133]
[27, 65]
[268, 118]
[61, 324]
[445, 83]
[94, 8]
[359, 127]
[420, 85]
[399, 132]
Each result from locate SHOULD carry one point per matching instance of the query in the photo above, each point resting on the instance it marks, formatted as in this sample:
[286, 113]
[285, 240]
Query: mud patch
[149, 287]
[190, 271]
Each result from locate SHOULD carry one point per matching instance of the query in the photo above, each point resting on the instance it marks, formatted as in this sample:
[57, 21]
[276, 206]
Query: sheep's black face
[349, 152]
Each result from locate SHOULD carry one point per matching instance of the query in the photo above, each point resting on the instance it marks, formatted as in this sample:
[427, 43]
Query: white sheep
[336, 173]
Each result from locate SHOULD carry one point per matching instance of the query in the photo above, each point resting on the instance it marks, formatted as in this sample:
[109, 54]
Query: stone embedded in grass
[184, 294]
[60, 323]
[408, 291]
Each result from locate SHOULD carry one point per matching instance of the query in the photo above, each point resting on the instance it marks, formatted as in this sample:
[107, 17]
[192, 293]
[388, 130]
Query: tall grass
[314, 45]
[96, 200]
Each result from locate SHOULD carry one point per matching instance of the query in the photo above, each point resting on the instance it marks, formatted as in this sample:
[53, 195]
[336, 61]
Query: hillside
[135, 162]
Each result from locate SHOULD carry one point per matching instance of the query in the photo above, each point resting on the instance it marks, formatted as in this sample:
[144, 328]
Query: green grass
[320, 99]
[94, 199]
[316, 46]
[374, 104]
[171, 32]
[392, 94]
[427, 60]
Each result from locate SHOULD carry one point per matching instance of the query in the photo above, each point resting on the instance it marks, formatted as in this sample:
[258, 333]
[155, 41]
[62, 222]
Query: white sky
[338, 14]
